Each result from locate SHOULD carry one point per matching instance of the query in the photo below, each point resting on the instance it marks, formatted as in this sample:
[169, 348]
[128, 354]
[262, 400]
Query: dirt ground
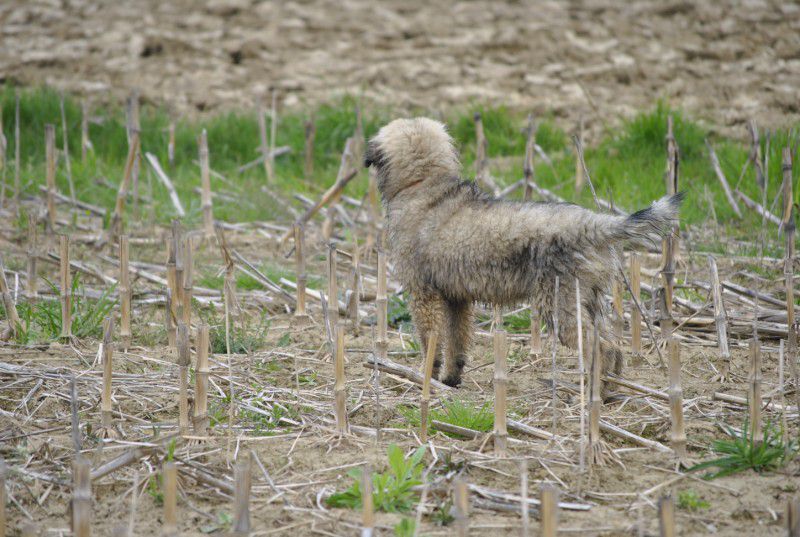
[725, 61]
[304, 460]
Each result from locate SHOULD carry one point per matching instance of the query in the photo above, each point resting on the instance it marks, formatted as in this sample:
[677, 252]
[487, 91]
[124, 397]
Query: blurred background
[724, 61]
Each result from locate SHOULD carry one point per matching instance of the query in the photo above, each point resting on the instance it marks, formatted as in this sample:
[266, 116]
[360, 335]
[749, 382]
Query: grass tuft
[742, 452]
[41, 321]
[405, 528]
[459, 412]
[246, 336]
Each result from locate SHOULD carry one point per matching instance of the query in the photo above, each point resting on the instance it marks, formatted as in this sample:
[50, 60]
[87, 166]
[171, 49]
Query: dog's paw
[452, 380]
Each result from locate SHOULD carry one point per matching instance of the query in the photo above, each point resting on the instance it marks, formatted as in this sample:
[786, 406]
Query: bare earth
[724, 61]
[284, 395]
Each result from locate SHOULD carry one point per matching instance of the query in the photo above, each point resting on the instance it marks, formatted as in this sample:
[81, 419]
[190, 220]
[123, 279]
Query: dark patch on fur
[641, 216]
[373, 156]
[467, 189]
[646, 214]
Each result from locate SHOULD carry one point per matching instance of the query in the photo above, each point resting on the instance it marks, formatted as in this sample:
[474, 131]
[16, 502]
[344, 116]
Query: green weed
[308, 379]
[689, 500]
[443, 515]
[518, 322]
[264, 423]
[464, 414]
[285, 340]
[218, 410]
[391, 490]
[154, 489]
[405, 528]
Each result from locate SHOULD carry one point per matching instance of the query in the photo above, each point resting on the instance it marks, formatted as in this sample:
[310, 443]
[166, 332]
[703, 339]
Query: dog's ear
[373, 155]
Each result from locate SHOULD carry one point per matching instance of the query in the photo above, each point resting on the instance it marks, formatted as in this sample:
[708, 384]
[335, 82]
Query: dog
[453, 245]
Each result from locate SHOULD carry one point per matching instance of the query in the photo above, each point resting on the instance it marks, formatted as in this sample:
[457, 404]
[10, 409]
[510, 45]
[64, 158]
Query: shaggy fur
[453, 245]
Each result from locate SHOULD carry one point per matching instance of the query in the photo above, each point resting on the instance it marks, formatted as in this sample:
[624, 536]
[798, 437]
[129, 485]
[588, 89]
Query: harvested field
[198, 392]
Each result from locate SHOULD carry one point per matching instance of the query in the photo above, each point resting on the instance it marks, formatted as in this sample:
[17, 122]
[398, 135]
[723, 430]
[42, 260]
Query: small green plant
[225, 520]
[397, 311]
[284, 340]
[154, 490]
[413, 344]
[456, 411]
[271, 366]
[171, 450]
[245, 337]
[265, 424]
[218, 411]
[443, 515]
[391, 490]
[689, 500]
[742, 452]
[308, 379]
[222, 524]
[449, 464]
[517, 355]
[405, 528]
[262, 424]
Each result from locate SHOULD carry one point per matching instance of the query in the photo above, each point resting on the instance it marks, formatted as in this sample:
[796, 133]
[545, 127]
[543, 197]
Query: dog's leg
[611, 354]
[427, 310]
[459, 334]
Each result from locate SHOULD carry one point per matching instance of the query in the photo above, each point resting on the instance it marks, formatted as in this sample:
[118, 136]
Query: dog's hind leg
[458, 335]
[428, 311]
[612, 357]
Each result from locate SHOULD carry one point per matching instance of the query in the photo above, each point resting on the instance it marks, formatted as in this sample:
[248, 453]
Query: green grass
[518, 322]
[397, 312]
[626, 164]
[246, 336]
[742, 452]
[391, 490]
[405, 528]
[41, 321]
[456, 411]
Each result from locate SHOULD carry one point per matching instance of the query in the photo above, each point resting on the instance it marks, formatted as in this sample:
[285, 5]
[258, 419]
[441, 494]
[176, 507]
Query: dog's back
[469, 246]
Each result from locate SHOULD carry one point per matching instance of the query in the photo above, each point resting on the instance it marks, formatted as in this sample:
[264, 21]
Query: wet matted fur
[453, 245]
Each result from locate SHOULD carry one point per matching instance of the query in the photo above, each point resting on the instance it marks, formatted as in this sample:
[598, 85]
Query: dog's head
[408, 152]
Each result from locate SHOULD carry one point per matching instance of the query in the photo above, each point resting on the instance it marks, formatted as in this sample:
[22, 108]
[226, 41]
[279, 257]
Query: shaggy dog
[453, 245]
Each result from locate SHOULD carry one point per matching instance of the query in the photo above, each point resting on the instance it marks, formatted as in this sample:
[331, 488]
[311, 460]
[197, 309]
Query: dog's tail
[647, 226]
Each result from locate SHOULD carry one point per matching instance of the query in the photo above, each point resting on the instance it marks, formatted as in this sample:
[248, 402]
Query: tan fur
[452, 245]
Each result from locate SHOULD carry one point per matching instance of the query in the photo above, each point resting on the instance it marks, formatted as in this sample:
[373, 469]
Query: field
[271, 382]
